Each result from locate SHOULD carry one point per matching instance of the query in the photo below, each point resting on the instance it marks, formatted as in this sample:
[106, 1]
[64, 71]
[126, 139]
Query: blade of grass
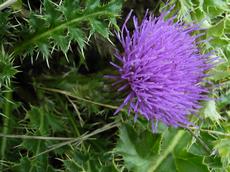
[81, 138]
[77, 140]
[67, 93]
[77, 111]
[12, 136]
[7, 4]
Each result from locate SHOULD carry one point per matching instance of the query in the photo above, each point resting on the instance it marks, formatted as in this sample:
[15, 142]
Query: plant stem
[81, 138]
[6, 4]
[167, 151]
[205, 146]
[69, 94]
[77, 111]
[6, 121]
[36, 137]
[211, 131]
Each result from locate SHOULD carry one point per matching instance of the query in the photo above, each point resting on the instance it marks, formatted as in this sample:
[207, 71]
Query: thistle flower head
[161, 70]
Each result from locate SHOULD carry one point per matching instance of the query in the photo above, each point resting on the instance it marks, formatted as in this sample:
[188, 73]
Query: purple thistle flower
[162, 70]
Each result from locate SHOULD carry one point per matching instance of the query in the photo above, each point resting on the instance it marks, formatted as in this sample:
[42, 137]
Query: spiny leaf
[44, 49]
[99, 27]
[38, 165]
[215, 7]
[52, 12]
[61, 19]
[4, 25]
[7, 70]
[37, 23]
[88, 161]
[210, 112]
[138, 151]
[62, 42]
[136, 156]
[190, 163]
[78, 35]
[227, 22]
[70, 8]
[223, 148]
[218, 29]
[91, 4]
[213, 162]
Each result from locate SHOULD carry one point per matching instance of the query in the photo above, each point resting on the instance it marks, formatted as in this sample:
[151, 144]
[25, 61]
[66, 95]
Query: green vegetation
[56, 108]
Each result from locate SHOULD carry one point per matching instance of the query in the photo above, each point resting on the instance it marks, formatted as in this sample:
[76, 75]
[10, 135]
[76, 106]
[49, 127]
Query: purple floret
[162, 70]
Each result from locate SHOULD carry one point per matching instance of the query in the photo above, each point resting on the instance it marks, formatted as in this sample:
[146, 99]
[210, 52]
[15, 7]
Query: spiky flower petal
[162, 70]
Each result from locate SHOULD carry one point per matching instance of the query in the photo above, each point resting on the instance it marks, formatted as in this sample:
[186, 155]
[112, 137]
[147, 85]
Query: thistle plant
[56, 108]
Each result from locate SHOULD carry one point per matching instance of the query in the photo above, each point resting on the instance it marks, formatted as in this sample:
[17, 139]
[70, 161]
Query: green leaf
[62, 42]
[36, 165]
[52, 14]
[220, 72]
[109, 168]
[7, 70]
[213, 162]
[99, 27]
[227, 23]
[114, 6]
[223, 148]
[63, 19]
[4, 26]
[79, 36]
[190, 163]
[42, 119]
[33, 146]
[215, 7]
[54, 122]
[92, 4]
[37, 23]
[44, 49]
[219, 42]
[217, 30]
[70, 8]
[169, 165]
[71, 166]
[167, 153]
[24, 164]
[88, 161]
[36, 116]
[137, 149]
[211, 112]
[17, 5]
